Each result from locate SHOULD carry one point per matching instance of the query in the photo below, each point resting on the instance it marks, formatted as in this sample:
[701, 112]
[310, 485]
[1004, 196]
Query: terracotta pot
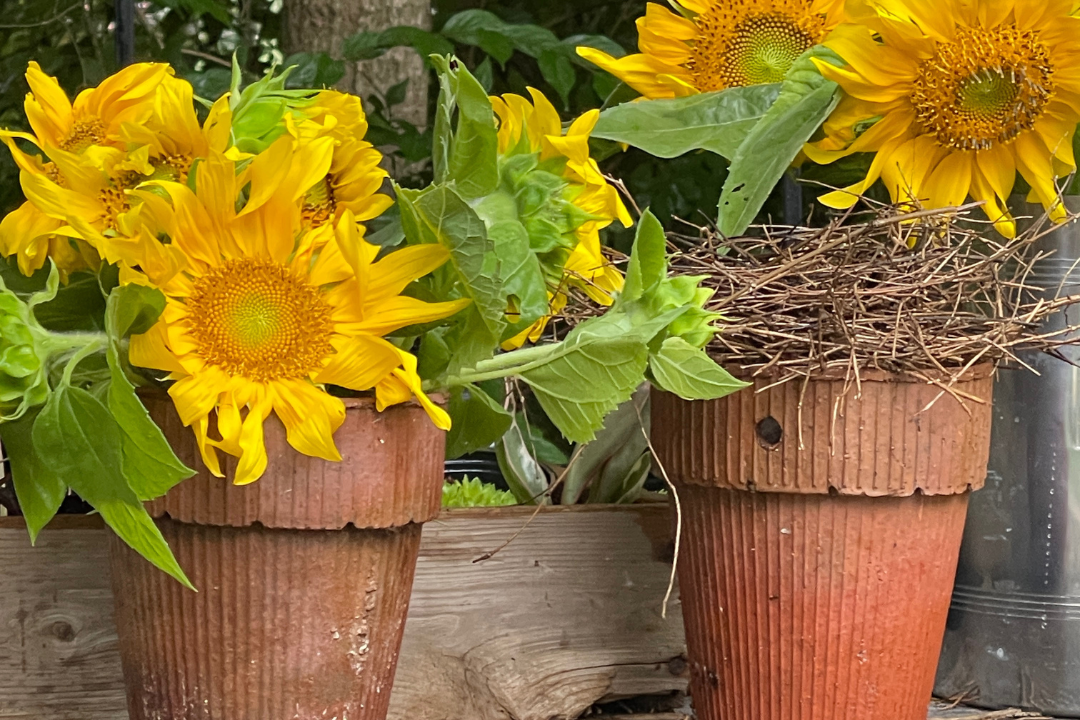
[304, 577]
[816, 571]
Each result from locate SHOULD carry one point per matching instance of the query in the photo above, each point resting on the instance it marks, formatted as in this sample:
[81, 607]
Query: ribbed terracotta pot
[304, 577]
[816, 567]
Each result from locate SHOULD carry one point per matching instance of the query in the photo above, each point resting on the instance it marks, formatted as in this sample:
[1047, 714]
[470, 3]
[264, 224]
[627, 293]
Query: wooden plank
[58, 651]
[567, 615]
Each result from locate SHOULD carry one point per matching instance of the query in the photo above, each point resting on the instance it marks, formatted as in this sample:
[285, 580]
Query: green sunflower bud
[23, 355]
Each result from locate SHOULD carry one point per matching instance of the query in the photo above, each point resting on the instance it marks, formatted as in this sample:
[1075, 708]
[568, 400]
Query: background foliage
[511, 44]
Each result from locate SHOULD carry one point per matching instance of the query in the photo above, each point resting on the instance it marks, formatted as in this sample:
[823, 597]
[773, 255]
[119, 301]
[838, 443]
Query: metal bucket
[1013, 634]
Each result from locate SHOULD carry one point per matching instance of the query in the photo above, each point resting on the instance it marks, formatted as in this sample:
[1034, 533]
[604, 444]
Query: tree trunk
[322, 26]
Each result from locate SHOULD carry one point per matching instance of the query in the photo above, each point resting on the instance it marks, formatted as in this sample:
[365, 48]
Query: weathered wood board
[565, 616]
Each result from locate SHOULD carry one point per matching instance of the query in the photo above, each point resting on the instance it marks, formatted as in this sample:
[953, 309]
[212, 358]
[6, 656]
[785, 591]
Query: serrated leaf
[478, 421]
[468, 157]
[38, 486]
[690, 373]
[586, 380]
[670, 127]
[438, 214]
[806, 98]
[519, 267]
[82, 440]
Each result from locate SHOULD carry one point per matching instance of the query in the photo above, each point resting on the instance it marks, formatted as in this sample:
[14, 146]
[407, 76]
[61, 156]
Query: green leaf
[368, 45]
[669, 127]
[470, 160]
[479, 421]
[81, 440]
[557, 68]
[52, 286]
[522, 472]
[78, 306]
[396, 94]
[37, 484]
[519, 267]
[313, 70]
[587, 379]
[648, 259]
[690, 373]
[541, 447]
[150, 465]
[806, 98]
[470, 26]
[617, 446]
[219, 11]
[471, 492]
[438, 214]
[133, 310]
[495, 44]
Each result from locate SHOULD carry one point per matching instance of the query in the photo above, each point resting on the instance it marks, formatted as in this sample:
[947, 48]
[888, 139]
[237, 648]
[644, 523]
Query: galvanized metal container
[1013, 634]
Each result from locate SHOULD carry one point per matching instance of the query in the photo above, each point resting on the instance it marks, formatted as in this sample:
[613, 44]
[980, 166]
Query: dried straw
[931, 293]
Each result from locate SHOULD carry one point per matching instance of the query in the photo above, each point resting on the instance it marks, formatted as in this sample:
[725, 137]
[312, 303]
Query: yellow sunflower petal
[359, 363]
[196, 396]
[253, 459]
[47, 107]
[206, 446]
[639, 71]
[311, 417]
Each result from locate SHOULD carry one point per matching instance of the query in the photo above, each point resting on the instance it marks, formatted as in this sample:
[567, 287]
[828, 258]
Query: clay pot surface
[817, 564]
[304, 577]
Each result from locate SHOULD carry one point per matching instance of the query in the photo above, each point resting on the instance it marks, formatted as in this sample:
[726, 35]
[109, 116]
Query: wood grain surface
[566, 616]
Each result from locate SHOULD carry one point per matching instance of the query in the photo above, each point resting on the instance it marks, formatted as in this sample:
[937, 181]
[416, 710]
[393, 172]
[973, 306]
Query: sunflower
[255, 325]
[173, 134]
[31, 236]
[94, 119]
[81, 137]
[565, 227]
[330, 127]
[718, 44]
[93, 201]
[955, 97]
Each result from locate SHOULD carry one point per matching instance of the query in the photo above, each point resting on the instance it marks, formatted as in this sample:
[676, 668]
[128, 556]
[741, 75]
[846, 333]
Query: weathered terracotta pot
[816, 571]
[303, 577]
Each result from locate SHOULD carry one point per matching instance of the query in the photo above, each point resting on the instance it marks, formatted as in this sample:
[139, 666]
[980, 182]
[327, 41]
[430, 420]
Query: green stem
[60, 342]
[511, 363]
[81, 354]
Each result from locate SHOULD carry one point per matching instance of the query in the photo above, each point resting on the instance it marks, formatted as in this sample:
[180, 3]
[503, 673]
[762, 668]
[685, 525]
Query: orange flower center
[320, 203]
[986, 87]
[172, 167]
[115, 201]
[84, 133]
[736, 48]
[258, 319]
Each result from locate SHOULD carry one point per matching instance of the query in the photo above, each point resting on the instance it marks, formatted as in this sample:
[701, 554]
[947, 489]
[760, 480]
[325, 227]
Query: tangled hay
[931, 293]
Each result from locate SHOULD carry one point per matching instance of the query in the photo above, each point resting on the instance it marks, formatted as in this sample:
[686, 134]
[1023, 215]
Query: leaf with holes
[806, 98]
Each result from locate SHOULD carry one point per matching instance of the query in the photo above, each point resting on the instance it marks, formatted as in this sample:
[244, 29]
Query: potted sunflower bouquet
[822, 510]
[202, 340]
